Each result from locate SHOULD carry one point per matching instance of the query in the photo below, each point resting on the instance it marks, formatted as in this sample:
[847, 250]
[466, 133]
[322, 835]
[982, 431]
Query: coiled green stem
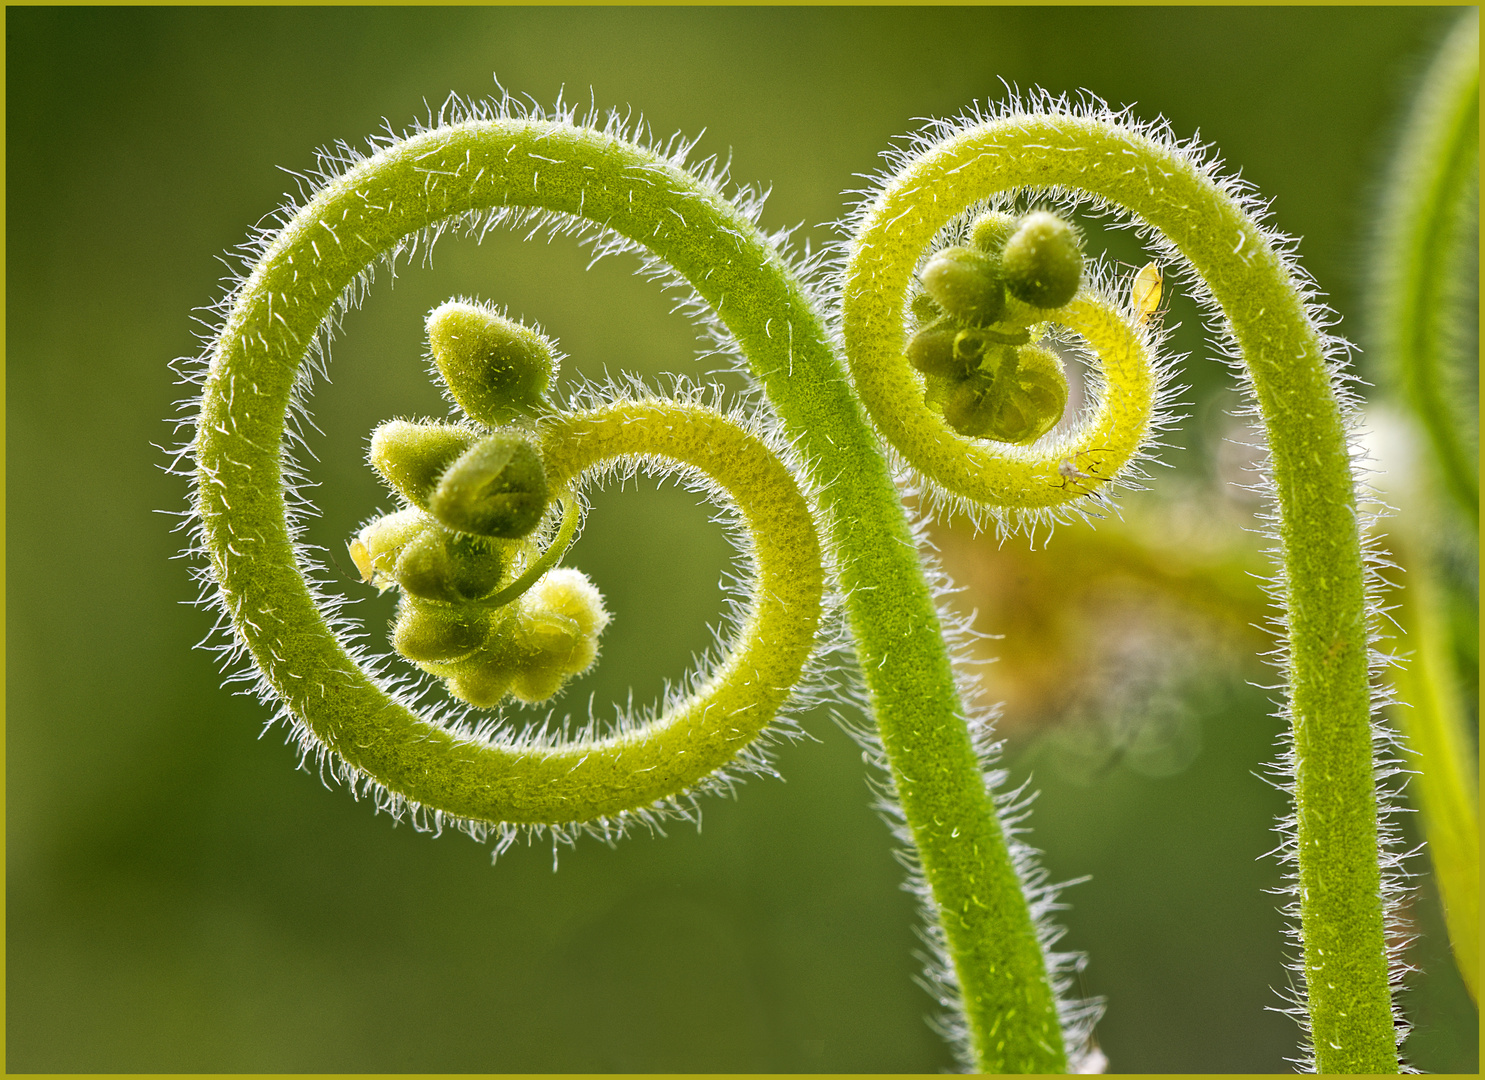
[247, 537]
[463, 171]
[476, 166]
[1321, 578]
[590, 778]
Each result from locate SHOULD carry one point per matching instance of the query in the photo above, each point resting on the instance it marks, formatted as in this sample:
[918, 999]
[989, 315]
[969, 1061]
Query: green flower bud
[423, 568]
[924, 310]
[932, 352]
[451, 567]
[1043, 261]
[476, 564]
[966, 284]
[411, 457]
[482, 681]
[1018, 403]
[558, 627]
[969, 408]
[1039, 392]
[497, 488]
[978, 351]
[990, 231]
[497, 369]
[377, 546]
[432, 633]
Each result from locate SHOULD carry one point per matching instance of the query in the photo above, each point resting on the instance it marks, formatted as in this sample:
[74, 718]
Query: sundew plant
[961, 353]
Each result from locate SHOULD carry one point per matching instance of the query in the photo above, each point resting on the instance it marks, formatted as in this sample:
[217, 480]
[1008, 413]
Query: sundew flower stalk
[957, 288]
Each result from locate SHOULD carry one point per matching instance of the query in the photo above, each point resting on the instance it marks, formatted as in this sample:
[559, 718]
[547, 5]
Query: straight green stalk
[1444, 785]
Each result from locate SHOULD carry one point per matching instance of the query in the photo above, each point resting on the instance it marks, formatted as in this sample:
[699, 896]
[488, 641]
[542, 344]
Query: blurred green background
[181, 898]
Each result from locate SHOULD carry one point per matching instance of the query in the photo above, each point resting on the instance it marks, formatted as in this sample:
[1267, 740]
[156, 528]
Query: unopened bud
[431, 633]
[1018, 403]
[931, 351]
[991, 230]
[377, 546]
[476, 564]
[1038, 392]
[482, 681]
[498, 370]
[966, 284]
[559, 623]
[411, 457]
[497, 488]
[423, 567]
[969, 410]
[1043, 261]
[924, 310]
[979, 351]
[451, 567]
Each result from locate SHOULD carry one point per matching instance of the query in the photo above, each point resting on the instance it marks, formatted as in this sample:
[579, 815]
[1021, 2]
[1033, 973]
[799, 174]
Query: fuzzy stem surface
[357, 219]
[476, 166]
[1426, 264]
[1336, 844]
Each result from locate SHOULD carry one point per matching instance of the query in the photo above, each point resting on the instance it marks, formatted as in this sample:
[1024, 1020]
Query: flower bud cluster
[474, 495]
[976, 316]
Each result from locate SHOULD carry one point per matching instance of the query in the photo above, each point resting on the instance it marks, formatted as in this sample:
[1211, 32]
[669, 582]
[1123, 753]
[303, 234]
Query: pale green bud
[558, 626]
[452, 567]
[1043, 261]
[476, 563]
[924, 310]
[990, 231]
[931, 351]
[969, 409]
[497, 369]
[411, 457]
[482, 681]
[1018, 402]
[976, 351]
[377, 546]
[497, 488]
[966, 284]
[433, 633]
[423, 567]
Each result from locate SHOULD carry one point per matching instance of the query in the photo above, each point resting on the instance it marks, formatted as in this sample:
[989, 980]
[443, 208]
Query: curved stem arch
[465, 170]
[1338, 886]
[302, 276]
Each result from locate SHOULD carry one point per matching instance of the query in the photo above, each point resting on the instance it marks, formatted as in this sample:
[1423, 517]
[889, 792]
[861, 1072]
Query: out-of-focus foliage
[180, 899]
[1424, 334]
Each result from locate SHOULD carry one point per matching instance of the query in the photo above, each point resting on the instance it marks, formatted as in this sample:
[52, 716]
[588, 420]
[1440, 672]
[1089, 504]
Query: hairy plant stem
[1336, 848]
[276, 315]
[430, 178]
[459, 172]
